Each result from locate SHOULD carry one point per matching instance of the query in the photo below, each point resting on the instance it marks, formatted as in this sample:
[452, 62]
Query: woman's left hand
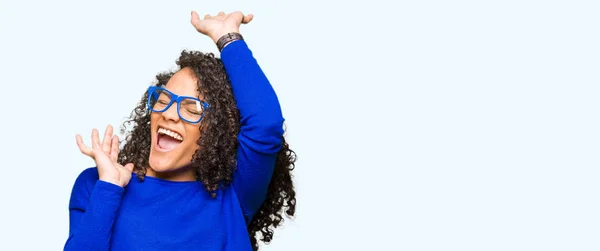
[217, 26]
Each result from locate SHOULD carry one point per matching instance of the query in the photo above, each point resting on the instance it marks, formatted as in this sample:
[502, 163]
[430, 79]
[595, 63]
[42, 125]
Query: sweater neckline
[168, 182]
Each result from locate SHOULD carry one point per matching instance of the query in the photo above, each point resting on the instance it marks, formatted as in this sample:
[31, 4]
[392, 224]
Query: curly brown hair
[215, 160]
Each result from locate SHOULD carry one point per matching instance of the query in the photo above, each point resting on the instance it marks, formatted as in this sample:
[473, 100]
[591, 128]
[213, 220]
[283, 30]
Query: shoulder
[82, 189]
[89, 174]
[86, 180]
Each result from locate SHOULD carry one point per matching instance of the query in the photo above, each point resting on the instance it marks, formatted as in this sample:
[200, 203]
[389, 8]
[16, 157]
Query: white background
[419, 125]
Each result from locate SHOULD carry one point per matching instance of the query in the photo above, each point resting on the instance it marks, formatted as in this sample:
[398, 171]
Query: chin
[166, 167]
[160, 165]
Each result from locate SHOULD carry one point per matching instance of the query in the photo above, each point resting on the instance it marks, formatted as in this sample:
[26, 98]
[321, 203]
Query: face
[173, 139]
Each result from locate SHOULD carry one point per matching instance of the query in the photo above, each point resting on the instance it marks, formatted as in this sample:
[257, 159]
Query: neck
[181, 174]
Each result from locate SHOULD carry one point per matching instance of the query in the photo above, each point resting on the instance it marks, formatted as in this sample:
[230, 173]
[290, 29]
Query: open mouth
[168, 140]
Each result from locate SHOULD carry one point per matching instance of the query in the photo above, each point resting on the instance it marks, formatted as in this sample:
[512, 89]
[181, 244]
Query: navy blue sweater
[158, 214]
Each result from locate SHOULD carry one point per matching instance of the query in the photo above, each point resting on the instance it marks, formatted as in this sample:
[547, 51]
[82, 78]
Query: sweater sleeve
[92, 212]
[261, 131]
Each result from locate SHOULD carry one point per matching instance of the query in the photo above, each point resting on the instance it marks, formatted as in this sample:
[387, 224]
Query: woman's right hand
[105, 155]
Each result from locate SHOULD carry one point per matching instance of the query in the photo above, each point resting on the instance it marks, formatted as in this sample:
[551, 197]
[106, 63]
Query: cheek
[192, 136]
[153, 120]
[189, 151]
[192, 132]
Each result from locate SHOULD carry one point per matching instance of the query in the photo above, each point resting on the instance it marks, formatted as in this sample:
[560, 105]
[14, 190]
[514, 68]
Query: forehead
[183, 83]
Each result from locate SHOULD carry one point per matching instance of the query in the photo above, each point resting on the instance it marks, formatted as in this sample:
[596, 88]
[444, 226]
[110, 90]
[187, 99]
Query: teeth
[170, 133]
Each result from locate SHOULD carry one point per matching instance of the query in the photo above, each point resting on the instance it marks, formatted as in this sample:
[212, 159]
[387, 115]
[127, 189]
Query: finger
[247, 18]
[221, 13]
[207, 16]
[95, 139]
[195, 18]
[107, 139]
[129, 167]
[114, 149]
[82, 147]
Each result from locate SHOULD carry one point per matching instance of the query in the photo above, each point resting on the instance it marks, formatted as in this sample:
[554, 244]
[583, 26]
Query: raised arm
[97, 194]
[261, 131]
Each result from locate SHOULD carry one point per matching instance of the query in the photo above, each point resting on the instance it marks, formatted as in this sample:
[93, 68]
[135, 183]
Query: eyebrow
[167, 93]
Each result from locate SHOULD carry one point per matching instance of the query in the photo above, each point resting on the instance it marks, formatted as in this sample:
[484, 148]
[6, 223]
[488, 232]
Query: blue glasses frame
[175, 98]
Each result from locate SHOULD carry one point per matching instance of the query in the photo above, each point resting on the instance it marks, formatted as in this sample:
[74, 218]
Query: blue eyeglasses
[190, 109]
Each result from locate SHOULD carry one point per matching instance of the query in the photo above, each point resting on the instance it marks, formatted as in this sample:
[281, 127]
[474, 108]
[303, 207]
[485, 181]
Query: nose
[171, 113]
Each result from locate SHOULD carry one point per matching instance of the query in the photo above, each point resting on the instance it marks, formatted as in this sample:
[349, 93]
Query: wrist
[217, 35]
[111, 181]
[228, 38]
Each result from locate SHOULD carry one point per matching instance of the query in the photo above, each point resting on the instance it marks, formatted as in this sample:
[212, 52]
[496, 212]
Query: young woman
[206, 163]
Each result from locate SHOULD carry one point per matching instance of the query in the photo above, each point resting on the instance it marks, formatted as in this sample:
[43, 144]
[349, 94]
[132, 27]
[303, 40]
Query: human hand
[105, 155]
[217, 26]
